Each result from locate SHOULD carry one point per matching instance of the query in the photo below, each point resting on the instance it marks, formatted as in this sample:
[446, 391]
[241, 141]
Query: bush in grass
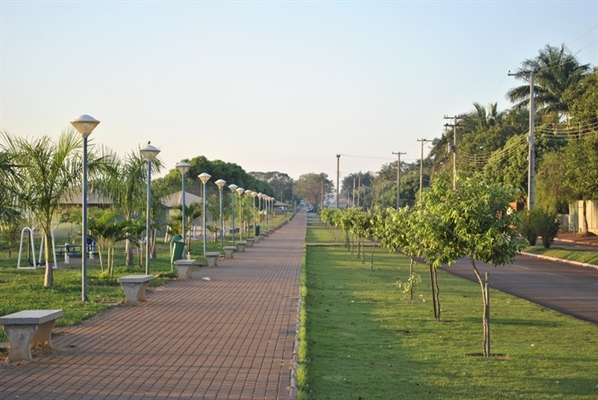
[527, 226]
[547, 226]
[534, 223]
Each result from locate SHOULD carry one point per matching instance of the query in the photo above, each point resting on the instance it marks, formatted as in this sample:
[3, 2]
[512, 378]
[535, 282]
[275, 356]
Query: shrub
[527, 226]
[534, 223]
[547, 226]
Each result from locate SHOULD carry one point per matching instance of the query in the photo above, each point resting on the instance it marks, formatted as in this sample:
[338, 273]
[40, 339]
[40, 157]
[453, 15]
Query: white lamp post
[271, 204]
[85, 124]
[268, 211]
[220, 183]
[233, 188]
[255, 221]
[204, 177]
[183, 168]
[150, 153]
[248, 194]
[240, 191]
[260, 197]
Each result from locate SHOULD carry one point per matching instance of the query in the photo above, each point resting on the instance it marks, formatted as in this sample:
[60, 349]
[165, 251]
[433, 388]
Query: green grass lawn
[362, 338]
[584, 256]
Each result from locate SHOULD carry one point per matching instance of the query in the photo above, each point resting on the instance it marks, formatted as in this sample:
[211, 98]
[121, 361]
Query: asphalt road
[559, 286]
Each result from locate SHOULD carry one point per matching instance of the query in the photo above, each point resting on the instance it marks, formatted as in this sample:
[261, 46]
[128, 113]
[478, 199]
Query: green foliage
[410, 284]
[548, 227]
[555, 70]
[313, 188]
[218, 169]
[46, 171]
[582, 99]
[528, 227]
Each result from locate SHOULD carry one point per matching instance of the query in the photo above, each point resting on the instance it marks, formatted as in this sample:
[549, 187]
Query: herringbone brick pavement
[231, 337]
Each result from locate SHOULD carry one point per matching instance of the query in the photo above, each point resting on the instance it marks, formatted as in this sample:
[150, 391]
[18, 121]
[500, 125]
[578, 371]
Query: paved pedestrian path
[231, 337]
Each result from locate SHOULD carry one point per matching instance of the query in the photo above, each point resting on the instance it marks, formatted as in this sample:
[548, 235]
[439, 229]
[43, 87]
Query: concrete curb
[577, 263]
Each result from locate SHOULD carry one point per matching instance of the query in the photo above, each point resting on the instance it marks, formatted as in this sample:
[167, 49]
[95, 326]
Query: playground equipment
[33, 263]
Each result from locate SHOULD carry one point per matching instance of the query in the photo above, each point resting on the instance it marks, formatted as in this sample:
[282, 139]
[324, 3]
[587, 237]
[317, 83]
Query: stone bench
[135, 287]
[185, 268]
[241, 246]
[27, 328]
[212, 257]
[249, 242]
[228, 251]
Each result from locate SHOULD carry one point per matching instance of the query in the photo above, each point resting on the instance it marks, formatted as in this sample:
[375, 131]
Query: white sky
[272, 85]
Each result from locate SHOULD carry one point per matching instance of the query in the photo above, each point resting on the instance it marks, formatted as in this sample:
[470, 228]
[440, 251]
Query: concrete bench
[241, 246]
[249, 242]
[229, 250]
[212, 257]
[135, 287]
[185, 268]
[28, 328]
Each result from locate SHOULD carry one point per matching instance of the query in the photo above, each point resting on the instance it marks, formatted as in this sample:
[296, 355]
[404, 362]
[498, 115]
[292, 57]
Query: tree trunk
[486, 317]
[49, 275]
[486, 300]
[100, 251]
[585, 217]
[154, 235]
[434, 286]
[372, 258]
[128, 253]
[411, 276]
[437, 291]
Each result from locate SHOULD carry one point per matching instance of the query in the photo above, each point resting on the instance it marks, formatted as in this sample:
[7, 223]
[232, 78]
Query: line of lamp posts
[183, 167]
[85, 124]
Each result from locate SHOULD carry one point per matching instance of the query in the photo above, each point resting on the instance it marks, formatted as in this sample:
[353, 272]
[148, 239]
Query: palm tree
[482, 117]
[555, 69]
[125, 182]
[108, 230]
[46, 170]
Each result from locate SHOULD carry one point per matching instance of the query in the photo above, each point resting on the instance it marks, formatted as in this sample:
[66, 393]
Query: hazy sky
[271, 85]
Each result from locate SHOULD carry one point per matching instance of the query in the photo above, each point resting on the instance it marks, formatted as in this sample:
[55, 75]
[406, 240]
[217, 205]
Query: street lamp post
[248, 194]
[233, 188]
[240, 191]
[260, 197]
[183, 168]
[270, 198]
[204, 177]
[220, 183]
[85, 124]
[255, 220]
[150, 152]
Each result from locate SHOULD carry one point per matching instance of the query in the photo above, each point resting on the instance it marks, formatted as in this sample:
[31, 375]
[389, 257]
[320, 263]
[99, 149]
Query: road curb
[577, 263]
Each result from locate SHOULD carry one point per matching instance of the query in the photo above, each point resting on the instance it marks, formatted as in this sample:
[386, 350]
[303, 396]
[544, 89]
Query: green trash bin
[257, 230]
[177, 248]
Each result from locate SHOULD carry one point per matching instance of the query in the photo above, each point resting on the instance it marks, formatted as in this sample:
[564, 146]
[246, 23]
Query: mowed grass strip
[362, 338]
[583, 256]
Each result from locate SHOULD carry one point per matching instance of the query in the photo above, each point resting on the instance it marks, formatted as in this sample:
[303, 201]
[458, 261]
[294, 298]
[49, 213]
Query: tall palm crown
[555, 69]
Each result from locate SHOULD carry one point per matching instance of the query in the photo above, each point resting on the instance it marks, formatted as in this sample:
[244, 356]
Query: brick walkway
[228, 338]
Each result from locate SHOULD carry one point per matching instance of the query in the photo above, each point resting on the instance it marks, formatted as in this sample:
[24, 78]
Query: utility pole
[421, 167]
[338, 160]
[398, 178]
[453, 148]
[359, 192]
[353, 202]
[531, 156]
